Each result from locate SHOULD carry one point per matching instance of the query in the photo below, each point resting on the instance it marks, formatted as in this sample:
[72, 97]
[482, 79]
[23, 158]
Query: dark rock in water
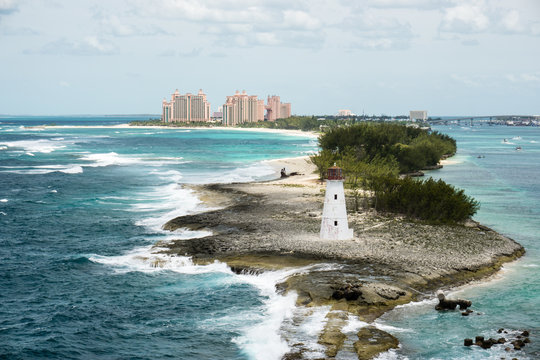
[507, 349]
[467, 342]
[501, 340]
[445, 304]
[500, 330]
[526, 340]
[479, 339]
[525, 333]
[486, 344]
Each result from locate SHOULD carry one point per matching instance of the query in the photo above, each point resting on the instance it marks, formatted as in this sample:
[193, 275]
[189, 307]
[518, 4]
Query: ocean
[506, 181]
[81, 208]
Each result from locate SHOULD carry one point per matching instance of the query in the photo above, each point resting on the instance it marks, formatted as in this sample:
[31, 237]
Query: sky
[449, 57]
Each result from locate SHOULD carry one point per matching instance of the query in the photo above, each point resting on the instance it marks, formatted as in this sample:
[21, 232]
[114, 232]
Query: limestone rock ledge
[391, 261]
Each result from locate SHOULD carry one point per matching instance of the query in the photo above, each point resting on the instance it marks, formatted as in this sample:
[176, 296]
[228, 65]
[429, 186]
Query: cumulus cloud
[411, 4]
[530, 78]
[465, 17]
[480, 16]
[377, 33]
[8, 6]
[89, 46]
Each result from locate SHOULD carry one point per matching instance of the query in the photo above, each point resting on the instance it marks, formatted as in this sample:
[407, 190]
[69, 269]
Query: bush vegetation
[373, 155]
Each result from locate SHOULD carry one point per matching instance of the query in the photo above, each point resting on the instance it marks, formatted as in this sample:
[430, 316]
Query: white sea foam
[54, 191]
[3, 213]
[246, 173]
[112, 158]
[263, 340]
[389, 328]
[29, 154]
[165, 202]
[353, 325]
[108, 159]
[391, 355]
[43, 169]
[3, 147]
[4, 200]
[147, 259]
[41, 145]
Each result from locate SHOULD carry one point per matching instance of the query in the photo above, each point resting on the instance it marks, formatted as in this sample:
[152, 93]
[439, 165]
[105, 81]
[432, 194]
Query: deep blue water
[80, 208]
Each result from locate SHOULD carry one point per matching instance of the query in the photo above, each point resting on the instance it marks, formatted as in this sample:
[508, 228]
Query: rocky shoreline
[391, 261]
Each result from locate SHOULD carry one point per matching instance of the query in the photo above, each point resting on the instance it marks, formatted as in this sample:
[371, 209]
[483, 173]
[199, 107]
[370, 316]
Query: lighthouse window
[335, 196]
[335, 223]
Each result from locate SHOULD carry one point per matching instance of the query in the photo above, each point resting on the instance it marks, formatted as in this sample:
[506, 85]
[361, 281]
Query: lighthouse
[334, 225]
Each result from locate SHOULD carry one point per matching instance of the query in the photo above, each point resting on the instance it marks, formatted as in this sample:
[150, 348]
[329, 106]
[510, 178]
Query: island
[392, 259]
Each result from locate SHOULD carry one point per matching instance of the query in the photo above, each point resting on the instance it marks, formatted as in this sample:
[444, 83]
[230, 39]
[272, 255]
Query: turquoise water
[506, 182]
[81, 207]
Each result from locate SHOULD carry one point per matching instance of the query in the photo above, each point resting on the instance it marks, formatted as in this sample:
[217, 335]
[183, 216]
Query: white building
[420, 115]
[344, 112]
[334, 224]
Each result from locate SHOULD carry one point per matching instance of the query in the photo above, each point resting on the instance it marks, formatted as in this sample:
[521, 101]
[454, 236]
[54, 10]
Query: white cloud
[378, 33]
[466, 17]
[8, 6]
[90, 45]
[300, 20]
[414, 4]
[512, 22]
[531, 78]
[466, 80]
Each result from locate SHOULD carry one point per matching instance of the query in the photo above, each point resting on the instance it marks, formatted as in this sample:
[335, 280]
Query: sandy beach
[390, 261]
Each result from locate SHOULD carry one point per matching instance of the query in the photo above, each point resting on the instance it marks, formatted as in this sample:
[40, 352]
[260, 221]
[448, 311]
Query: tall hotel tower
[275, 109]
[242, 108]
[188, 107]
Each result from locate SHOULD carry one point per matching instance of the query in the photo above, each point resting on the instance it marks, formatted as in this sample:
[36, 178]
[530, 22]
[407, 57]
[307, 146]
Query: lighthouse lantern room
[334, 225]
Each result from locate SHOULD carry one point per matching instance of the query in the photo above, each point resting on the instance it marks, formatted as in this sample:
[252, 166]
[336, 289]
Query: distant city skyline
[449, 57]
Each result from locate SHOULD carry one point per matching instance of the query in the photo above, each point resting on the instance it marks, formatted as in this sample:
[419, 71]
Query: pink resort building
[275, 109]
[186, 107]
[241, 108]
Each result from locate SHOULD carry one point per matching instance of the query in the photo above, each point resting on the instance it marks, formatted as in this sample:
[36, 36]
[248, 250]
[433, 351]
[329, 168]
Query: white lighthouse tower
[334, 225]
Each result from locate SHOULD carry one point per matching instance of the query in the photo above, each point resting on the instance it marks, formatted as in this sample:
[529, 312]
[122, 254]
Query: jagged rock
[467, 342]
[348, 292]
[372, 341]
[445, 304]
[525, 333]
[501, 340]
[478, 340]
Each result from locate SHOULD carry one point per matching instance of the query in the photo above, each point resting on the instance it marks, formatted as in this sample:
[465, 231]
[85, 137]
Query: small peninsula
[392, 260]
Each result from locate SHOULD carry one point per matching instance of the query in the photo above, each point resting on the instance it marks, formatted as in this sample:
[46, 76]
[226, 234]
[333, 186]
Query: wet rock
[347, 292]
[525, 333]
[332, 337]
[467, 342]
[501, 340]
[446, 304]
[478, 340]
[372, 341]
[500, 330]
